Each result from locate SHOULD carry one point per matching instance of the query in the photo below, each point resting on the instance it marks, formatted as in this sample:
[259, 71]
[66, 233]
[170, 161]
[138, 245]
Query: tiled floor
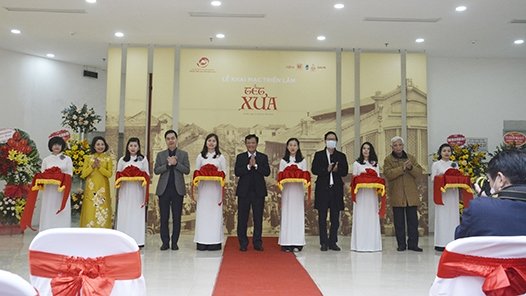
[189, 272]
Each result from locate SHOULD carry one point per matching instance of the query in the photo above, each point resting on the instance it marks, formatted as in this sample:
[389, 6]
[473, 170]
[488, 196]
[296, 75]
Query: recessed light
[220, 35]
[215, 3]
[460, 8]
[321, 38]
[339, 5]
[119, 34]
[518, 41]
[91, 1]
[50, 55]
[419, 40]
[16, 31]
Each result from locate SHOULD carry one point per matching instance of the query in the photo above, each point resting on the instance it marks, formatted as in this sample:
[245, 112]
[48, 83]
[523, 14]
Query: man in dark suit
[506, 214]
[251, 167]
[171, 164]
[330, 165]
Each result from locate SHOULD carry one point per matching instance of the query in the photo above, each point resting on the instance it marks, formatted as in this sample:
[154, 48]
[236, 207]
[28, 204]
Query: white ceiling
[483, 30]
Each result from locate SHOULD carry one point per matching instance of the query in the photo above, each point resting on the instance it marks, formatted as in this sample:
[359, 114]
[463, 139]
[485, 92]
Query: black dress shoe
[175, 247]
[440, 249]
[416, 249]
[258, 248]
[400, 249]
[334, 247]
[165, 247]
[243, 248]
[324, 248]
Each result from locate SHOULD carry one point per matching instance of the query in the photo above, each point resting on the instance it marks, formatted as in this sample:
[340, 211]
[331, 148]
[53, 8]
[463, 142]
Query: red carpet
[271, 272]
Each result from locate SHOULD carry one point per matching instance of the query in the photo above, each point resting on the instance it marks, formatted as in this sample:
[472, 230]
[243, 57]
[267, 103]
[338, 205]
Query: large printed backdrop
[278, 95]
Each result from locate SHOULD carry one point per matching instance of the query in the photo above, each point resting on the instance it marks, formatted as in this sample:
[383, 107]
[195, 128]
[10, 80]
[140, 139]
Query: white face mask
[331, 144]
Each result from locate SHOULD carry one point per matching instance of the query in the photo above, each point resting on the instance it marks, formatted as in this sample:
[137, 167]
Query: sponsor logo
[515, 138]
[456, 140]
[203, 62]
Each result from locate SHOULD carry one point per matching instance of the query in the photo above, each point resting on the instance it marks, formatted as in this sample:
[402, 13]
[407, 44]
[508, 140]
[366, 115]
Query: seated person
[504, 215]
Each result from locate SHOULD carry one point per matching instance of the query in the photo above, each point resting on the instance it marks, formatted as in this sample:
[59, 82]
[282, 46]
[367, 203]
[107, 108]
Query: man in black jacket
[330, 165]
[251, 167]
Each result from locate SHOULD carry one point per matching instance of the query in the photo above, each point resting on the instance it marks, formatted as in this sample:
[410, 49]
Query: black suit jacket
[257, 175]
[319, 167]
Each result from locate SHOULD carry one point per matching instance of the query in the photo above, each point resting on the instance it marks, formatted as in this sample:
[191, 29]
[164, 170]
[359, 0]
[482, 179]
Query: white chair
[13, 285]
[86, 243]
[489, 247]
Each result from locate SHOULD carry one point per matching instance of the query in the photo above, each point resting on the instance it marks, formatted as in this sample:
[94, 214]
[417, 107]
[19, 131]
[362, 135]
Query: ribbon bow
[452, 178]
[370, 180]
[209, 172]
[503, 276]
[133, 174]
[51, 176]
[92, 276]
[293, 174]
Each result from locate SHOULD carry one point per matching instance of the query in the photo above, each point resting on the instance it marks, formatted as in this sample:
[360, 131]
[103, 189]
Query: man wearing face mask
[330, 165]
[506, 214]
[401, 172]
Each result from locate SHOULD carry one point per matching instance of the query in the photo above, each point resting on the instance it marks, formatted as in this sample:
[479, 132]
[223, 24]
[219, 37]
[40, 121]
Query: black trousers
[334, 212]
[170, 200]
[401, 215]
[244, 203]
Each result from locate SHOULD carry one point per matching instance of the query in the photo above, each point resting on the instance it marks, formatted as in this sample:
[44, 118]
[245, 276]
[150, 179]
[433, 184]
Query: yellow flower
[452, 157]
[75, 147]
[17, 157]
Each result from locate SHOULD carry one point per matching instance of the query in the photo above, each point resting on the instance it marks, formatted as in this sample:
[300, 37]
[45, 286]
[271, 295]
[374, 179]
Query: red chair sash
[209, 172]
[134, 174]
[51, 176]
[503, 276]
[293, 174]
[370, 180]
[452, 178]
[92, 276]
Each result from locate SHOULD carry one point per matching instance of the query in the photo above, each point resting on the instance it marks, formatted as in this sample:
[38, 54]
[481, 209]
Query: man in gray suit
[171, 164]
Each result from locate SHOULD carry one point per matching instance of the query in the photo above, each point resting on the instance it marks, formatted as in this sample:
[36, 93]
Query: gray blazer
[162, 168]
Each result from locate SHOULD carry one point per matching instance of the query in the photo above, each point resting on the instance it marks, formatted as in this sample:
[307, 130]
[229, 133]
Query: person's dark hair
[373, 158]
[127, 156]
[511, 163]
[442, 147]
[204, 151]
[56, 140]
[252, 136]
[299, 156]
[330, 133]
[92, 147]
[170, 132]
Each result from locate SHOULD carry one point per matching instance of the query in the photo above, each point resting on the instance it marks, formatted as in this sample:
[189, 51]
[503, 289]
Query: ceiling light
[339, 5]
[460, 8]
[91, 1]
[215, 3]
[518, 41]
[16, 31]
[419, 40]
[50, 55]
[321, 38]
[119, 34]
[220, 35]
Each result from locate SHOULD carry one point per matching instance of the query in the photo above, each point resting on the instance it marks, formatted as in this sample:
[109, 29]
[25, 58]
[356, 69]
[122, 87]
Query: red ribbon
[51, 176]
[503, 276]
[92, 276]
[134, 174]
[370, 179]
[452, 178]
[209, 172]
[292, 174]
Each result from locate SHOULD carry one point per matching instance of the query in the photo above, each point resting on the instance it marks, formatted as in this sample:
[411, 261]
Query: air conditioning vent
[48, 10]
[401, 20]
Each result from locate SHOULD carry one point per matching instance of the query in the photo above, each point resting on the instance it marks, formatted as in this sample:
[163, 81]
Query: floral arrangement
[76, 150]
[76, 201]
[19, 162]
[470, 160]
[504, 146]
[80, 120]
